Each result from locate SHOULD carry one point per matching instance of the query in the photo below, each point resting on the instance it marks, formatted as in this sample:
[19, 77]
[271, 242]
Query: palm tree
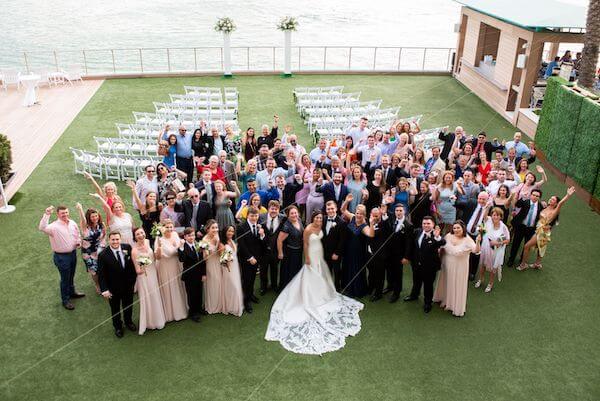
[589, 56]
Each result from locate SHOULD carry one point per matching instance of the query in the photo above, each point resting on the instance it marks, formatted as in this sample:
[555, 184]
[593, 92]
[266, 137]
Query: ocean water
[68, 26]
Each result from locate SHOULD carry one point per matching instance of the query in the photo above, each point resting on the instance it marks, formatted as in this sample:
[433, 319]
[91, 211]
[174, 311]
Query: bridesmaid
[354, 278]
[233, 298]
[213, 302]
[451, 290]
[120, 220]
[172, 290]
[94, 234]
[152, 314]
[493, 245]
[289, 246]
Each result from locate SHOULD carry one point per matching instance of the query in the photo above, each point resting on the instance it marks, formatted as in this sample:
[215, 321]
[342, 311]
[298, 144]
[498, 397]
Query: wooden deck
[40, 125]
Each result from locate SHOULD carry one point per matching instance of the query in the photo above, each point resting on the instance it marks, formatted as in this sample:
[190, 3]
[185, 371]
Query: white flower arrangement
[288, 24]
[225, 25]
[144, 261]
[226, 257]
[201, 246]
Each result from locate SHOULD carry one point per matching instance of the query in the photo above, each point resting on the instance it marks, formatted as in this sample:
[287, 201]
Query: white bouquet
[144, 261]
[225, 258]
[202, 246]
[225, 25]
[288, 24]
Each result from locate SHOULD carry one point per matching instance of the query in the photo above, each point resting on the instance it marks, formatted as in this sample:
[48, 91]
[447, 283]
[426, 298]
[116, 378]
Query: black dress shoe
[77, 295]
[69, 306]
[119, 333]
[263, 291]
[471, 277]
[427, 308]
[195, 318]
[375, 298]
[131, 326]
[409, 298]
[248, 308]
[254, 299]
[386, 290]
[203, 312]
[394, 298]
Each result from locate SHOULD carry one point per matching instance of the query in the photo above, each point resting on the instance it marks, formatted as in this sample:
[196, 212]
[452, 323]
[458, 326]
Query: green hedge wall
[562, 133]
[584, 161]
[548, 112]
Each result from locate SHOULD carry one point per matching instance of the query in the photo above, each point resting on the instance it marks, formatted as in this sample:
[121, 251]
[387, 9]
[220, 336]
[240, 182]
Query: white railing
[248, 58]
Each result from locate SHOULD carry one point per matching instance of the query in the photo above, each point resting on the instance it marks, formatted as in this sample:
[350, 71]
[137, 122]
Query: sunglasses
[170, 198]
[195, 196]
[150, 171]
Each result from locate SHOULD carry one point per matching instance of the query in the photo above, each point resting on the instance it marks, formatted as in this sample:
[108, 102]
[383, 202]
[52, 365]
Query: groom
[334, 233]
[425, 261]
[117, 275]
[251, 252]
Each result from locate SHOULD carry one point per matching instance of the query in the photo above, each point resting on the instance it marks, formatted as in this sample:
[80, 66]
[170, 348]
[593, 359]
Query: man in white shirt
[266, 179]
[493, 186]
[146, 184]
[359, 133]
[292, 143]
[317, 153]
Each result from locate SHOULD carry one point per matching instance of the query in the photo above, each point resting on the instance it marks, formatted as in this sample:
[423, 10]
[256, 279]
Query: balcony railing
[244, 59]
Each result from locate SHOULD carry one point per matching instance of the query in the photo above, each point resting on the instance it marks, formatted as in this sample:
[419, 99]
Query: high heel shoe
[478, 284]
[488, 288]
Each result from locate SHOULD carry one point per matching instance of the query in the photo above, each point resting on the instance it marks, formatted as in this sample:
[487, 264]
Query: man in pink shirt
[65, 238]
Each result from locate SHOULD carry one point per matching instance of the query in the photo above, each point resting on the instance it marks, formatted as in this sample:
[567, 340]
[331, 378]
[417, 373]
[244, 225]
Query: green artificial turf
[535, 337]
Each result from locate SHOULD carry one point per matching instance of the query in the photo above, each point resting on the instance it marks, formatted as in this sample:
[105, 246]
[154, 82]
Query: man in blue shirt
[521, 149]
[184, 155]
[265, 196]
[551, 65]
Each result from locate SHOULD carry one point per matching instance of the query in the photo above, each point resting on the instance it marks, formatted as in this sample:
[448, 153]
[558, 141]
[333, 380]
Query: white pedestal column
[4, 206]
[287, 47]
[226, 54]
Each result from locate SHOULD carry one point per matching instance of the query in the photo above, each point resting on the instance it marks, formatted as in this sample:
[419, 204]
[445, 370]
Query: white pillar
[227, 54]
[4, 206]
[287, 47]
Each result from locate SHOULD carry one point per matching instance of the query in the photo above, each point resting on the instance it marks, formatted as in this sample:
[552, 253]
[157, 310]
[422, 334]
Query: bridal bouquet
[144, 261]
[481, 229]
[225, 25]
[226, 257]
[288, 24]
[202, 246]
[157, 230]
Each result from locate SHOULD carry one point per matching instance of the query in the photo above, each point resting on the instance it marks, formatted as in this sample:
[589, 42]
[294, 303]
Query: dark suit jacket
[379, 245]
[271, 236]
[448, 139]
[194, 266]
[488, 147]
[207, 148]
[205, 212]
[250, 245]
[200, 186]
[328, 192]
[289, 193]
[426, 256]
[112, 276]
[334, 241]
[392, 177]
[400, 243]
[523, 206]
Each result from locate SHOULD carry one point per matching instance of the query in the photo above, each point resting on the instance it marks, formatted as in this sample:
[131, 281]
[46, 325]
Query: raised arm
[43, 226]
[105, 206]
[344, 209]
[141, 206]
[94, 183]
[82, 221]
[570, 193]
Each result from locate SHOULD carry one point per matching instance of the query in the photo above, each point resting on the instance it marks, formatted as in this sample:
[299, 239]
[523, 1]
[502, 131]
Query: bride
[309, 316]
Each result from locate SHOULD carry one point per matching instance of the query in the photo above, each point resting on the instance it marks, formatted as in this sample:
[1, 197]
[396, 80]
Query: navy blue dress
[354, 277]
[292, 253]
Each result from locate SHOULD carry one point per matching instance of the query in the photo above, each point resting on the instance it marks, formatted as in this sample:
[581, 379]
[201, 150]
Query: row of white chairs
[348, 115]
[112, 166]
[335, 130]
[327, 100]
[212, 92]
[136, 131]
[126, 146]
[308, 91]
[350, 106]
[156, 121]
[191, 111]
[202, 102]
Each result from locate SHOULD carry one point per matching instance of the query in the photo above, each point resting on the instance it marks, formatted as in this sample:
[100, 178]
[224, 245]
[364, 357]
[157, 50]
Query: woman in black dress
[249, 146]
[421, 206]
[354, 276]
[376, 189]
[149, 210]
[289, 246]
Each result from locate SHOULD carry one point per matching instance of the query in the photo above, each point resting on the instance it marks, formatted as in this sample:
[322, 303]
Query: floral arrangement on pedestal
[288, 24]
[225, 25]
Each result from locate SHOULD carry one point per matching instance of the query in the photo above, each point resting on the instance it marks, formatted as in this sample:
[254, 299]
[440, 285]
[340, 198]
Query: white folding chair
[10, 77]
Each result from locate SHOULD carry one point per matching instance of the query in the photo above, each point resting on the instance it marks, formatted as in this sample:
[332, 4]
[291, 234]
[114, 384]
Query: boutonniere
[125, 252]
[333, 224]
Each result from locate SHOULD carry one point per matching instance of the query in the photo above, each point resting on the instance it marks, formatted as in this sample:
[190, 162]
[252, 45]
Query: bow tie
[332, 220]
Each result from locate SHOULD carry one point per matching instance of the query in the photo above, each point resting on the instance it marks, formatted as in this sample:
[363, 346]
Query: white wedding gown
[309, 316]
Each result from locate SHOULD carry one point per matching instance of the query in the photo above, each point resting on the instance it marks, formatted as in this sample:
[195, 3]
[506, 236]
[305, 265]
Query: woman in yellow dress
[543, 231]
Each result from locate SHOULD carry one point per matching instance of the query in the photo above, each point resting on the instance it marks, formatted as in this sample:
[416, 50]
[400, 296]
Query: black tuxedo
[207, 146]
[488, 148]
[194, 267]
[119, 280]
[333, 243]
[328, 192]
[425, 262]
[522, 232]
[204, 213]
[379, 253]
[288, 193]
[400, 246]
[249, 245]
[448, 139]
[270, 266]
[393, 174]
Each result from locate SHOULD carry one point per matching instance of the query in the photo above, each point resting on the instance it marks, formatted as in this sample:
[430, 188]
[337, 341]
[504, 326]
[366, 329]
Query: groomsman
[65, 238]
[116, 276]
[425, 261]
[378, 247]
[334, 191]
[401, 231]
[473, 214]
[193, 274]
[525, 221]
[334, 234]
[272, 222]
[251, 251]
